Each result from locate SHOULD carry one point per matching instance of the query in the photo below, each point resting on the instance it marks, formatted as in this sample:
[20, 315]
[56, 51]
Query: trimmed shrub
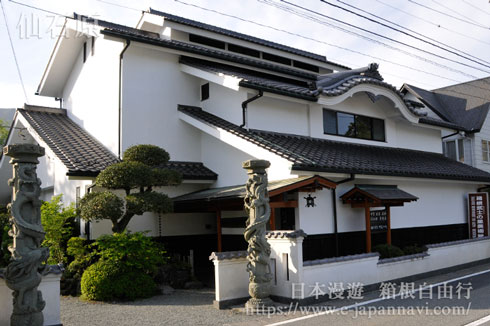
[108, 281]
[126, 267]
[413, 249]
[388, 251]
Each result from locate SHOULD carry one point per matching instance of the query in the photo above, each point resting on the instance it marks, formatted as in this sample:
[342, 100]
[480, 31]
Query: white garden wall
[288, 267]
[50, 288]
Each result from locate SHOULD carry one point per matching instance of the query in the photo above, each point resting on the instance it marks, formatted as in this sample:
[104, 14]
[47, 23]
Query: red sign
[478, 214]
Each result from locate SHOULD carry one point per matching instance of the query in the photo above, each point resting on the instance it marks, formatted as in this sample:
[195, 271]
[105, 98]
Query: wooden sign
[379, 221]
[478, 214]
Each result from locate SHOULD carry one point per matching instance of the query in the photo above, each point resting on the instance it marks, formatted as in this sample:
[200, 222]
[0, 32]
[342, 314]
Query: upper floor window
[485, 150]
[353, 125]
[454, 149]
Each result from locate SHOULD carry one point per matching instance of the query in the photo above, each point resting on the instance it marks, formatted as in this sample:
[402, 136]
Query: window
[243, 50]
[84, 52]
[455, 149]
[485, 145]
[305, 66]
[207, 41]
[276, 58]
[353, 125]
[204, 92]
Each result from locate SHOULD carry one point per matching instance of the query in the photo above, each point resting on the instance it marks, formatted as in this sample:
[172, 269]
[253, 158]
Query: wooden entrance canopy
[231, 198]
[368, 196]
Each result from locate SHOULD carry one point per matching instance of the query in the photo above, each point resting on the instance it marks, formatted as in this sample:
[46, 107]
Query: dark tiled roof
[452, 109]
[233, 192]
[227, 255]
[313, 154]
[243, 37]
[192, 170]
[385, 192]
[334, 84]
[138, 36]
[254, 79]
[81, 153]
[285, 234]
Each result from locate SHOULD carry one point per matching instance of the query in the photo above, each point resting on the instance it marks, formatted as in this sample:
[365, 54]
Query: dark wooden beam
[218, 227]
[273, 219]
[284, 204]
[388, 222]
[367, 215]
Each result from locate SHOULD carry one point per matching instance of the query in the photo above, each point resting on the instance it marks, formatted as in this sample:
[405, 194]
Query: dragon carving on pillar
[258, 253]
[24, 272]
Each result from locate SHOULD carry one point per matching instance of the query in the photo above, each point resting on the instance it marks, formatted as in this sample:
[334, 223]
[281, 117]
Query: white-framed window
[458, 150]
[485, 150]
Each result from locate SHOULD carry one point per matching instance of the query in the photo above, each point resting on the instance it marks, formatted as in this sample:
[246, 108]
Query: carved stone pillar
[259, 250]
[23, 274]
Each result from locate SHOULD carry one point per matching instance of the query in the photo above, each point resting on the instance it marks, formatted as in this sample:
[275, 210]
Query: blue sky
[34, 34]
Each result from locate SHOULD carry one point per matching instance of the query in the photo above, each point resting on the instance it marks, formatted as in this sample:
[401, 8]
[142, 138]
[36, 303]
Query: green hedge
[108, 281]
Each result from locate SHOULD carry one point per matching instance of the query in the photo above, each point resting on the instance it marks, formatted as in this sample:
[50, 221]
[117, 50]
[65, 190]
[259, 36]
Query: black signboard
[379, 221]
[478, 214]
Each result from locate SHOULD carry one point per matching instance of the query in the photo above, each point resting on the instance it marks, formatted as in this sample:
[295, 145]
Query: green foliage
[413, 249]
[149, 202]
[125, 175]
[5, 239]
[165, 177]
[131, 251]
[4, 131]
[150, 155]
[388, 251]
[108, 281]
[58, 224]
[140, 171]
[101, 205]
[125, 270]
[82, 255]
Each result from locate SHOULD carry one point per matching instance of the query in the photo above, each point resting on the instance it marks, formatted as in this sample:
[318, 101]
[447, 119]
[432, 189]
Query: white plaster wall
[153, 86]
[277, 115]
[91, 92]
[398, 131]
[439, 203]
[417, 138]
[368, 271]
[231, 279]
[484, 134]
[224, 102]
[224, 160]
[318, 219]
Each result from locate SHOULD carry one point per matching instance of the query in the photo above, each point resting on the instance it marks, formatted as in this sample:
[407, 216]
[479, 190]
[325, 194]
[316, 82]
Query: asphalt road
[458, 298]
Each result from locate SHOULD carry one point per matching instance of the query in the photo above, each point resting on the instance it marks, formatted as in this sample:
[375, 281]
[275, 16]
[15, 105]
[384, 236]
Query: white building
[464, 107]
[214, 98]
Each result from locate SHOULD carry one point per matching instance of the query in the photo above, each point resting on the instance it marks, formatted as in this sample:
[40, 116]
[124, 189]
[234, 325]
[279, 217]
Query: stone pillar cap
[256, 164]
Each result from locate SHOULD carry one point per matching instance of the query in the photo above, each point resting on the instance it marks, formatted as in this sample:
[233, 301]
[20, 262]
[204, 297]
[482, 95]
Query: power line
[448, 15]
[13, 52]
[37, 8]
[328, 44]
[118, 5]
[318, 41]
[477, 8]
[382, 36]
[312, 18]
[432, 23]
[457, 13]
[415, 32]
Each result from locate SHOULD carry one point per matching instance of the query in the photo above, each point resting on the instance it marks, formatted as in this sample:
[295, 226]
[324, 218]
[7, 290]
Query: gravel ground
[183, 307]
